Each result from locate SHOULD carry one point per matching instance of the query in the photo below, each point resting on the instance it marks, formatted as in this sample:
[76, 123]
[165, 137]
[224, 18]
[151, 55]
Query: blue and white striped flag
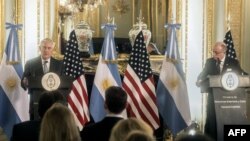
[106, 74]
[108, 47]
[172, 96]
[14, 101]
[12, 48]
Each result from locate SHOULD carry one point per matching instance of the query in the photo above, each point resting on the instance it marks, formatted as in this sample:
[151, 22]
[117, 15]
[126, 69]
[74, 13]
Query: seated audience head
[58, 124]
[124, 127]
[47, 99]
[193, 137]
[115, 99]
[3, 136]
[139, 136]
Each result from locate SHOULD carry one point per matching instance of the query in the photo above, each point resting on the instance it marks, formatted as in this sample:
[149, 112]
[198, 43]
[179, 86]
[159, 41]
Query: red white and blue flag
[78, 101]
[139, 84]
[228, 40]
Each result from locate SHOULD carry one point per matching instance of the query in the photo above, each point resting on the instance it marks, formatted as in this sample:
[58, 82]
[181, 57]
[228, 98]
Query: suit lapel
[53, 65]
[39, 68]
[213, 68]
[225, 66]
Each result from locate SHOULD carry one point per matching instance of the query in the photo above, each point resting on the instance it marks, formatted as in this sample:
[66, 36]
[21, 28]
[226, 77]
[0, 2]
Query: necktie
[45, 67]
[218, 66]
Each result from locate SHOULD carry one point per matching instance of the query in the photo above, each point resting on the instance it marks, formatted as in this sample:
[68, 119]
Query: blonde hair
[124, 127]
[139, 136]
[3, 136]
[58, 125]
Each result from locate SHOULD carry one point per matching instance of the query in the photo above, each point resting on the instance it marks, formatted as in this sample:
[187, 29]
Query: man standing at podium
[40, 65]
[217, 65]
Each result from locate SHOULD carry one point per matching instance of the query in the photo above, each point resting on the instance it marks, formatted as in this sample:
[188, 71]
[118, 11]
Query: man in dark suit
[29, 130]
[216, 65]
[115, 103]
[37, 67]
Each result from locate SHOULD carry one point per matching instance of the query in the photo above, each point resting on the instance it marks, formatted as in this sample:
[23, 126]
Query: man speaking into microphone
[38, 66]
[216, 65]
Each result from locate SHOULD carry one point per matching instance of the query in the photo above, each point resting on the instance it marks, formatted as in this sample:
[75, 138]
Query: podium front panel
[36, 89]
[230, 109]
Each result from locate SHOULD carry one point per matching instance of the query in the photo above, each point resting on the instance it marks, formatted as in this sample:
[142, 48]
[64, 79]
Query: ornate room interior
[202, 22]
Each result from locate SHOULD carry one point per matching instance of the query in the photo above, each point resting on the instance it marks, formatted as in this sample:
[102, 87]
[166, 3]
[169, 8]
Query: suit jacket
[99, 131]
[34, 68]
[26, 131]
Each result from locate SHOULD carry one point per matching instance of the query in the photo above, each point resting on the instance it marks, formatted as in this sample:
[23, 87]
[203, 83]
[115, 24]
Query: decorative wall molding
[235, 14]
[2, 28]
[47, 17]
[208, 32]
[38, 21]
[19, 20]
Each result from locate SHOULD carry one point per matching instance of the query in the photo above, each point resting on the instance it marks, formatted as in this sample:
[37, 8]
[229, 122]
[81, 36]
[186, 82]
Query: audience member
[139, 136]
[115, 103]
[58, 124]
[29, 130]
[3, 136]
[124, 127]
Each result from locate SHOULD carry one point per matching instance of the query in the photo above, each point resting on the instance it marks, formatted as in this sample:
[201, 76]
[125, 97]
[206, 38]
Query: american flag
[138, 82]
[78, 96]
[228, 40]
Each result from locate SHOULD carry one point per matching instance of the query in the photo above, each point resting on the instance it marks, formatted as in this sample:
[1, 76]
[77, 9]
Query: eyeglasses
[216, 52]
[47, 47]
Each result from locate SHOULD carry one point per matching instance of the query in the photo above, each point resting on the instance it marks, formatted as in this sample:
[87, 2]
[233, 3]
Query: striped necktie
[45, 67]
[218, 66]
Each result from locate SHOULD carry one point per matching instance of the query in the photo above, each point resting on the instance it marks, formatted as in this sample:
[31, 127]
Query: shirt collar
[114, 115]
[223, 59]
[45, 60]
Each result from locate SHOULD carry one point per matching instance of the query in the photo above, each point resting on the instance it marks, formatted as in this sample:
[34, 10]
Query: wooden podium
[230, 105]
[36, 89]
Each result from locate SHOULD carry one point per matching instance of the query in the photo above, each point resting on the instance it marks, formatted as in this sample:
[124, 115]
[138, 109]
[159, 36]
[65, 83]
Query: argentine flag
[14, 102]
[172, 96]
[106, 74]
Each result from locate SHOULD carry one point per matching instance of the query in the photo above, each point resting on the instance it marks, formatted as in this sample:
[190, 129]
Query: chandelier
[74, 6]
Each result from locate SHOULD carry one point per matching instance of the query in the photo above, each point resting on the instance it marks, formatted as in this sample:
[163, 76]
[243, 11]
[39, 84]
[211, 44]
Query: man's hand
[198, 83]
